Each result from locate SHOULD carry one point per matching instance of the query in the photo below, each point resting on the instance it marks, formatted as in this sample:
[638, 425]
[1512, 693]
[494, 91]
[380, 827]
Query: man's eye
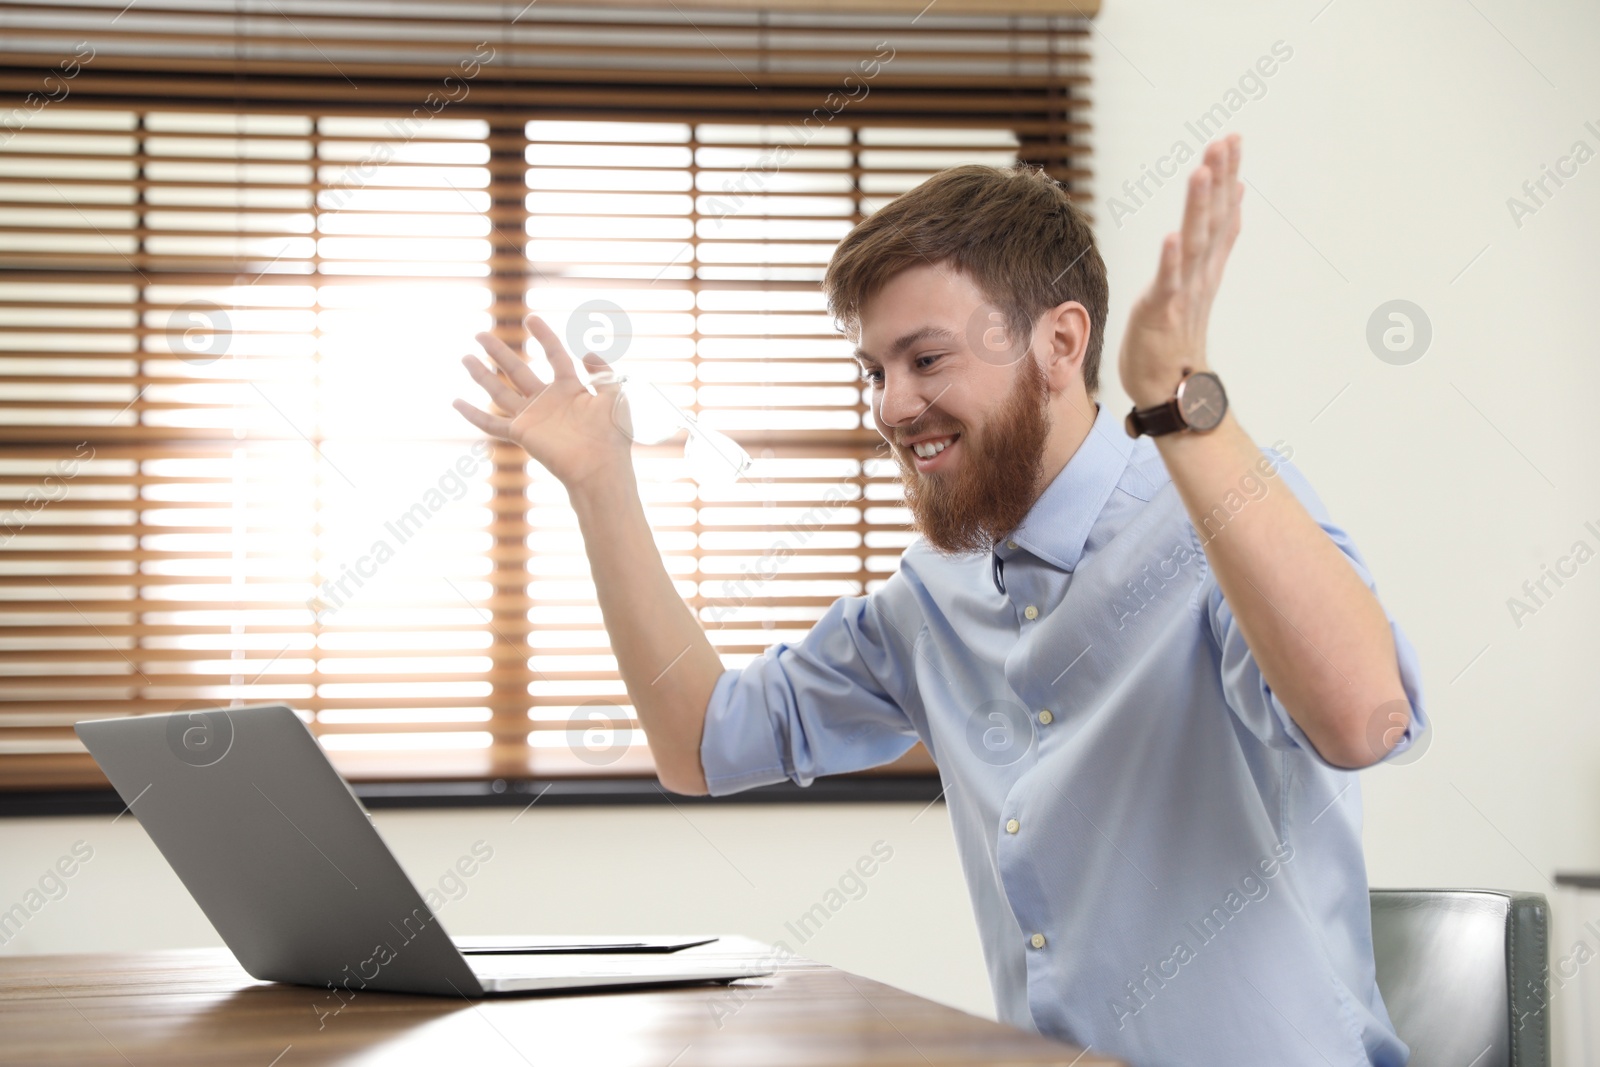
[873, 376]
[924, 362]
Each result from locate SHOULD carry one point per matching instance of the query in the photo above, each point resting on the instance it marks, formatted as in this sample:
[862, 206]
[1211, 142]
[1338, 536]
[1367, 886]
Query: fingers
[493, 425]
[1224, 173]
[1235, 218]
[1226, 218]
[509, 400]
[1229, 190]
[1229, 236]
[601, 374]
[1210, 213]
[516, 368]
[1169, 272]
[1197, 216]
[554, 351]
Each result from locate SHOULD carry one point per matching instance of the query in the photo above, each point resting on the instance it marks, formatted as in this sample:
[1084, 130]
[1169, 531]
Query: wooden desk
[196, 1006]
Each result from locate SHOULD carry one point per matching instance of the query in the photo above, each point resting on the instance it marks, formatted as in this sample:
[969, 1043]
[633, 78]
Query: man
[1146, 668]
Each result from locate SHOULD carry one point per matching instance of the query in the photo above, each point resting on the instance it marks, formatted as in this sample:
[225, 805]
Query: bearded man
[1145, 660]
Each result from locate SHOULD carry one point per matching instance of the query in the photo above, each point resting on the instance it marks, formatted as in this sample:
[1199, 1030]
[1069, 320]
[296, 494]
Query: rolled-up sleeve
[1247, 691]
[832, 703]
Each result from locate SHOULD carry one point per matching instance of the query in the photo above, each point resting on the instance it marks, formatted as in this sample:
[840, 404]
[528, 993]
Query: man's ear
[1062, 339]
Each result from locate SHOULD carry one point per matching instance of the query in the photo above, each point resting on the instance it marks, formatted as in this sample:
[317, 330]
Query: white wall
[1386, 146]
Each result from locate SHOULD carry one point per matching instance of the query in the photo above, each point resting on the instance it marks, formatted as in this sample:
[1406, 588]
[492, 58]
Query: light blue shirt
[1161, 865]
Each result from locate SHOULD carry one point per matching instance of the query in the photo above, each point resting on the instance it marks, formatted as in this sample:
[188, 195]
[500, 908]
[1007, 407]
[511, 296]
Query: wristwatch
[1200, 404]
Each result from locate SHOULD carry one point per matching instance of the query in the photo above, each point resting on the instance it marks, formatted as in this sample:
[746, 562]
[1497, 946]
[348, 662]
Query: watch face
[1202, 401]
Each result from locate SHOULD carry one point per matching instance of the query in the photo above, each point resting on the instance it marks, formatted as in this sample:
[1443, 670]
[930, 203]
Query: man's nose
[900, 401]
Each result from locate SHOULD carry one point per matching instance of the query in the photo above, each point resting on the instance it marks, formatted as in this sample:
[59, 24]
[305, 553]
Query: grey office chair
[1463, 974]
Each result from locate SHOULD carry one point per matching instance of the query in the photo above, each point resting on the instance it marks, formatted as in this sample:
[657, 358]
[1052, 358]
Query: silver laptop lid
[276, 849]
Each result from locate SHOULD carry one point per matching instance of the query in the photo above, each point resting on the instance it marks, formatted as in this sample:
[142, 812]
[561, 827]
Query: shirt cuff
[1416, 737]
[1383, 722]
[738, 746]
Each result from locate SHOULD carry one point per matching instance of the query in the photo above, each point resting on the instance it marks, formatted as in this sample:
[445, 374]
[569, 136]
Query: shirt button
[1030, 613]
[1046, 717]
[1037, 941]
[1012, 826]
[1011, 544]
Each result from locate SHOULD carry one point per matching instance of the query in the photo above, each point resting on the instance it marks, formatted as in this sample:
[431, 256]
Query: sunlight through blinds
[241, 255]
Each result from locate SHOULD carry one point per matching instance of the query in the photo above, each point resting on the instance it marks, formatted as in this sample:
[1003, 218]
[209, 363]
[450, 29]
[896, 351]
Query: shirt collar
[1057, 526]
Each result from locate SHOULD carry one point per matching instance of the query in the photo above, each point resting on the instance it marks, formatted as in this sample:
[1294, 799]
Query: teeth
[929, 449]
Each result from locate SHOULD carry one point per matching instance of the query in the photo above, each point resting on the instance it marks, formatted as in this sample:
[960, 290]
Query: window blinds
[241, 253]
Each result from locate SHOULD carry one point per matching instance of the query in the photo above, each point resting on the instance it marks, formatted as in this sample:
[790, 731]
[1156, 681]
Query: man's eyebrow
[924, 333]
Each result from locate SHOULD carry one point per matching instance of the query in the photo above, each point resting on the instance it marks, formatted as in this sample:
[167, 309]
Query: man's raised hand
[1166, 335]
[560, 423]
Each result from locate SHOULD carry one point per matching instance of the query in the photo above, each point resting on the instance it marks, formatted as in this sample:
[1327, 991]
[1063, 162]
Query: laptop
[286, 863]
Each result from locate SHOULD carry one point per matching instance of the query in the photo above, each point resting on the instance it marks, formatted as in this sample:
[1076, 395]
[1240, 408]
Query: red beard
[996, 481]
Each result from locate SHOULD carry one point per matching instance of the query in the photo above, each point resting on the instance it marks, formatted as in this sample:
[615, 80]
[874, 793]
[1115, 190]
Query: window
[229, 471]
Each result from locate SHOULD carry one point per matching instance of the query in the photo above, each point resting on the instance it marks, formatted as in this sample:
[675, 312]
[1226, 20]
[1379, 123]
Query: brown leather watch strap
[1155, 421]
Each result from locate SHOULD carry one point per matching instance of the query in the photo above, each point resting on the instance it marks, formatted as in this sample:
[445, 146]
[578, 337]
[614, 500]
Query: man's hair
[1013, 230]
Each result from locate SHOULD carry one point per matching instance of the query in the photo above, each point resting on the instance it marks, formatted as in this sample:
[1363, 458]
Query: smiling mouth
[931, 447]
